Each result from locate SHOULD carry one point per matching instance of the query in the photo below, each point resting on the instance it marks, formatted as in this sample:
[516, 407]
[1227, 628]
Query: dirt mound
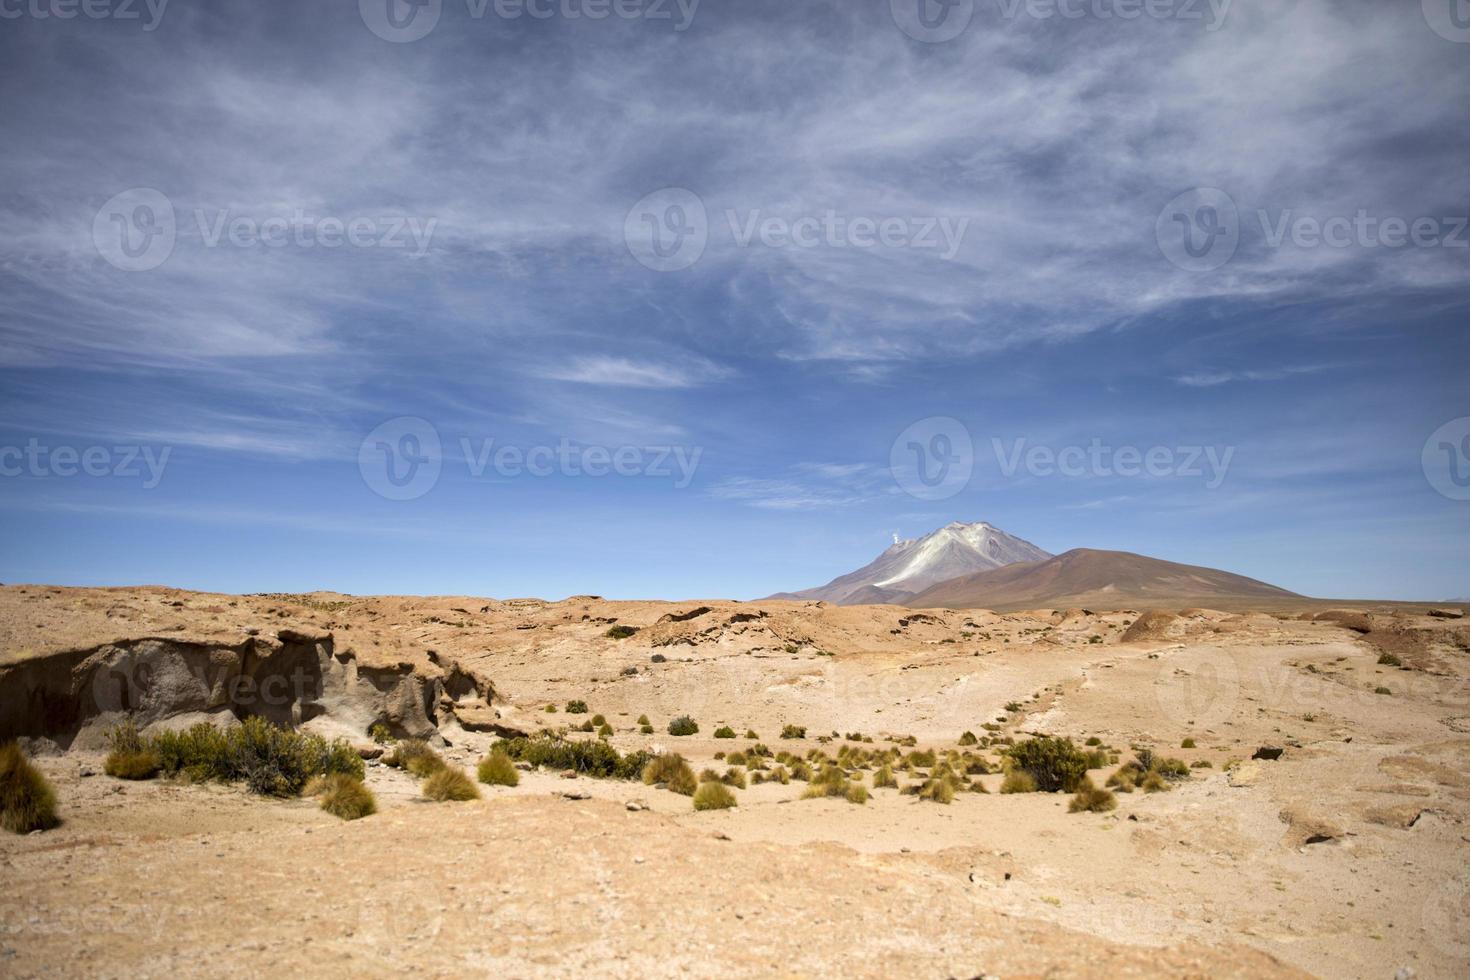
[1152, 625]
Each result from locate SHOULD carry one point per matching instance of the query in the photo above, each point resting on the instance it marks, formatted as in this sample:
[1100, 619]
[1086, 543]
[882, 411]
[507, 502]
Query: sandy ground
[1344, 858]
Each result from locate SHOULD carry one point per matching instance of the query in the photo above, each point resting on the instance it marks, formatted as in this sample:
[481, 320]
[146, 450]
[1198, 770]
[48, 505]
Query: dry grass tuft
[713, 796]
[347, 798]
[497, 769]
[27, 801]
[451, 785]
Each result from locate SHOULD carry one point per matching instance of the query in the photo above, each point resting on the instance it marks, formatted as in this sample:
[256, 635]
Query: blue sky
[866, 239]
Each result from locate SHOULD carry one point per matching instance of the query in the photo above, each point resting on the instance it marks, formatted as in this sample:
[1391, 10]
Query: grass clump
[576, 707]
[724, 731]
[1018, 781]
[672, 772]
[27, 801]
[884, 777]
[793, 731]
[347, 798]
[1387, 659]
[1188, 743]
[415, 756]
[832, 781]
[497, 769]
[1092, 799]
[1053, 763]
[683, 725]
[968, 738]
[131, 757]
[713, 796]
[450, 785]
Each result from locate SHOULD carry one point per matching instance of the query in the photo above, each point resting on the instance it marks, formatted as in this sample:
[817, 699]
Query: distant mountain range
[909, 567]
[980, 566]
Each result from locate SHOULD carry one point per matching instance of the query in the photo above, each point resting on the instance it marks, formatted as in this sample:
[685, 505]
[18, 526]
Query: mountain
[1085, 577]
[909, 567]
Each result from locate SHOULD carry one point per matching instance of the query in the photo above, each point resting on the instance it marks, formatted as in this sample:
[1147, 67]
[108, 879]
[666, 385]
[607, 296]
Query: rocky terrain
[1322, 829]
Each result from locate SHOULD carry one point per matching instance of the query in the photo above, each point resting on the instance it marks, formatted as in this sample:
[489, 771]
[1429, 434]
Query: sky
[642, 298]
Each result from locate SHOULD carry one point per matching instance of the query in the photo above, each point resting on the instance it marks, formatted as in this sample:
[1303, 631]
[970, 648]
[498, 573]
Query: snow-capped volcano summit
[911, 566]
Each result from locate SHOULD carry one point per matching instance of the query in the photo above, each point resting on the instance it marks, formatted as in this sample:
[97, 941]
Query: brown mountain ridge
[1085, 576]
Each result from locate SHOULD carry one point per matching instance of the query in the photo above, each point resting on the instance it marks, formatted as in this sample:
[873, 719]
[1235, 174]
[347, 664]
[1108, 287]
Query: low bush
[27, 801]
[270, 760]
[1390, 660]
[683, 725]
[597, 759]
[620, 632]
[793, 731]
[724, 731]
[1092, 799]
[576, 707]
[968, 738]
[498, 769]
[1188, 743]
[451, 785]
[713, 796]
[347, 798]
[1053, 763]
[750, 734]
[598, 721]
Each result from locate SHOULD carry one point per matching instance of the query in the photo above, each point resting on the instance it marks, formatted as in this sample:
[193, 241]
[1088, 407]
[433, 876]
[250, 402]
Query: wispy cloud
[627, 373]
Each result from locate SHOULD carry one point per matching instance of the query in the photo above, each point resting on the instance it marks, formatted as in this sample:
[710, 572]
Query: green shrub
[596, 759]
[451, 785]
[1188, 743]
[1018, 781]
[793, 731]
[1091, 799]
[724, 731]
[645, 729]
[643, 720]
[348, 798]
[130, 757]
[620, 632]
[672, 772]
[1390, 660]
[1054, 763]
[598, 721]
[27, 801]
[1093, 741]
[683, 725]
[606, 731]
[270, 760]
[497, 769]
[380, 733]
[1382, 690]
[750, 734]
[415, 756]
[968, 738]
[713, 796]
[576, 707]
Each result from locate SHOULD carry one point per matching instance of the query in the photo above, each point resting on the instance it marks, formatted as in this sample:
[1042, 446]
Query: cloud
[623, 372]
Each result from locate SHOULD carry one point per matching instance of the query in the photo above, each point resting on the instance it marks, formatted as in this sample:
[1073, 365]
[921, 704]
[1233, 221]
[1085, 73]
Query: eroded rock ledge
[294, 677]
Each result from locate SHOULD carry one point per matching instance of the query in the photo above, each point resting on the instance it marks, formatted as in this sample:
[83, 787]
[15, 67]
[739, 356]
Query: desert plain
[1321, 829]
